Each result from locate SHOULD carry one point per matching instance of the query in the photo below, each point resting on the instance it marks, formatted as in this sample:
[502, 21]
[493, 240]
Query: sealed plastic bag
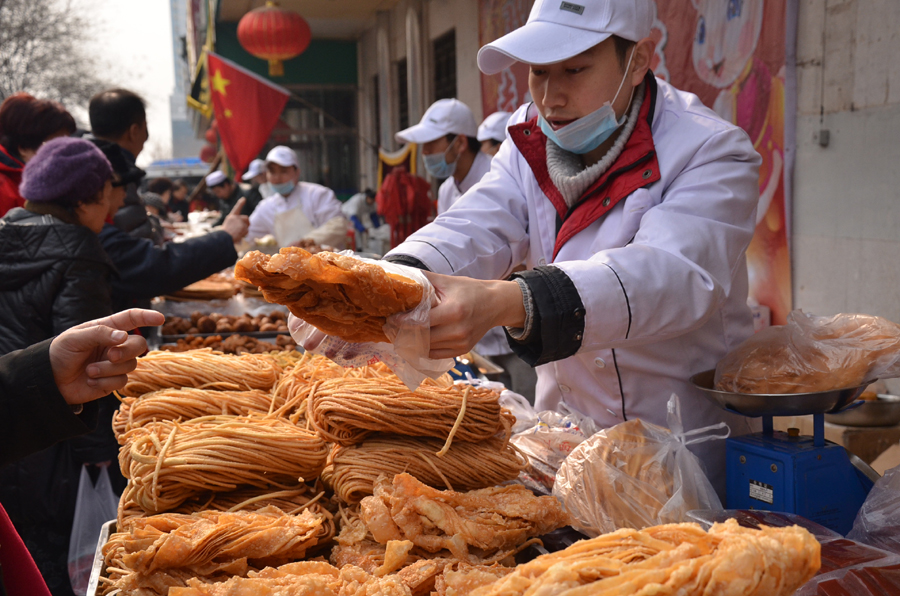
[813, 353]
[545, 439]
[878, 521]
[408, 332]
[636, 475]
[96, 504]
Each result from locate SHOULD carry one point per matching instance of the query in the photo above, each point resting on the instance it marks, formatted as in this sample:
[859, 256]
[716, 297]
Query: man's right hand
[235, 224]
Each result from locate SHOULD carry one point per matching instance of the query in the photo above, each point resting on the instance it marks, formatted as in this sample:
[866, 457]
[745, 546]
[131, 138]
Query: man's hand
[93, 359]
[467, 309]
[235, 224]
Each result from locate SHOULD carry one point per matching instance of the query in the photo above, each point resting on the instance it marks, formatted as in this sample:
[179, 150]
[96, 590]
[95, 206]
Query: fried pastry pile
[340, 295]
[672, 559]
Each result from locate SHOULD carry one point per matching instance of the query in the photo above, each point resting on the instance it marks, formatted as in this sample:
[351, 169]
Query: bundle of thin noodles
[346, 411]
[185, 404]
[352, 471]
[170, 462]
[292, 501]
[203, 369]
[158, 550]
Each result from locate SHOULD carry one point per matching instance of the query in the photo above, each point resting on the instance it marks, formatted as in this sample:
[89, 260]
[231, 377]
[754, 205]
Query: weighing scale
[786, 472]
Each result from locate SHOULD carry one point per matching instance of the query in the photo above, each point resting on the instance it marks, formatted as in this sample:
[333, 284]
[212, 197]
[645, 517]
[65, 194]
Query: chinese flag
[246, 105]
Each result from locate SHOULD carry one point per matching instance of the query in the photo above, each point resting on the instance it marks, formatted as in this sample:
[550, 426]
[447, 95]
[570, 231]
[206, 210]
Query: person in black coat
[46, 395]
[54, 275]
[229, 194]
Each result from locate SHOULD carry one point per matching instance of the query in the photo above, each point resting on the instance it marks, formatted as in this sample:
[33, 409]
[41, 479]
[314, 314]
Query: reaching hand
[235, 224]
[93, 359]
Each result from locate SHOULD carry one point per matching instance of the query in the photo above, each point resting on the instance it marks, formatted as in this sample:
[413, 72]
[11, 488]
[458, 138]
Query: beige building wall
[846, 215]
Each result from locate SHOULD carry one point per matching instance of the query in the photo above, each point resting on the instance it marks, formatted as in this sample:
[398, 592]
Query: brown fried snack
[340, 295]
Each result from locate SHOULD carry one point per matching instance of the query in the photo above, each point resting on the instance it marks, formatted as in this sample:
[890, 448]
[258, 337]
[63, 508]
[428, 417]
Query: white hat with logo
[257, 167]
[215, 178]
[283, 156]
[494, 127]
[558, 30]
[443, 117]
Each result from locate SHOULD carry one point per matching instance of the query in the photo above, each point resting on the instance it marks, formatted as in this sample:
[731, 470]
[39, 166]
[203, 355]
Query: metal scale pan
[792, 404]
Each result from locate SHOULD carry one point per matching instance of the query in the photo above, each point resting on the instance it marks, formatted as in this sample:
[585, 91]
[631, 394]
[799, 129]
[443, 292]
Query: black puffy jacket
[53, 275]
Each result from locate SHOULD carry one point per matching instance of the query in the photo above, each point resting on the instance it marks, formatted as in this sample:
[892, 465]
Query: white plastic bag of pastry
[813, 353]
[636, 475]
[409, 333]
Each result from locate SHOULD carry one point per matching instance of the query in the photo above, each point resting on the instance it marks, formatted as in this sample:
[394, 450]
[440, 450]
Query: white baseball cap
[283, 156]
[443, 117]
[257, 167]
[557, 30]
[215, 178]
[494, 127]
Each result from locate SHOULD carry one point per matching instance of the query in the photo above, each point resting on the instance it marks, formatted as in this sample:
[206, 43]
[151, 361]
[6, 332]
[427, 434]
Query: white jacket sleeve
[485, 234]
[683, 261]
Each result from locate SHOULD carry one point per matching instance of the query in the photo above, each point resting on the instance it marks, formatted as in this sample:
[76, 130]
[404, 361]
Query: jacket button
[577, 337]
[600, 362]
[606, 202]
[647, 174]
[542, 261]
[564, 388]
[579, 312]
[527, 132]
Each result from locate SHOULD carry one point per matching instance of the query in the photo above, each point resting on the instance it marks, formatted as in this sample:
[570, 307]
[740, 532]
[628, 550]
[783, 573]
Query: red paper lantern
[208, 153]
[211, 135]
[273, 34]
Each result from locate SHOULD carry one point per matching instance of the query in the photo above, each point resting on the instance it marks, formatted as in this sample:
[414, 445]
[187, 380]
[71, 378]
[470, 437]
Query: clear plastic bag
[636, 475]
[545, 439]
[409, 333]
[878, 521]
[813, 353]
[96, 504]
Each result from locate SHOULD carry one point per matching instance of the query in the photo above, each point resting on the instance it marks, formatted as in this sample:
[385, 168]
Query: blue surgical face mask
[284, 189]
[436, 164]
[588, 132]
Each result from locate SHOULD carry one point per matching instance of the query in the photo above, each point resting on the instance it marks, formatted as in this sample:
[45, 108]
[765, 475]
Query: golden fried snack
[340, 295]
[672, 559]
[171, 462]
[624, 471]
[352, 471]
[810, 354]
[461, 579]
[203, 369]
[346, 411]
[489, 520]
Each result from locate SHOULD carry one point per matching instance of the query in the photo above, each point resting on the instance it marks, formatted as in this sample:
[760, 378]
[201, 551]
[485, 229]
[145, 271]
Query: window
[444, 52]
[402, 95]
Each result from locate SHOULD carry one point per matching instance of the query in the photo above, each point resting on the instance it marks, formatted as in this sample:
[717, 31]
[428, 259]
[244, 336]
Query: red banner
[506, 90]
[246, 107]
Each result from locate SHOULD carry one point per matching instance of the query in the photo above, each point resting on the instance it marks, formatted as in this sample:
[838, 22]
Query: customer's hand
[235, 224]
[94, 358]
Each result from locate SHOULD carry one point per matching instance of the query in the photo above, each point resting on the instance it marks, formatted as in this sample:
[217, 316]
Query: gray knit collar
[567, 170]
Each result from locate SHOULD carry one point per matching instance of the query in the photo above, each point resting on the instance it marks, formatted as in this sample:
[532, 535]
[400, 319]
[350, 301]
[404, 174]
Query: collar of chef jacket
[636, 167]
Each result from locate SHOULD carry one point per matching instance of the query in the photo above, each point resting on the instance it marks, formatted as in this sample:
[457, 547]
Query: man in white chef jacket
[632, 205]
[449, 148]
[492, 132]
[298, 211]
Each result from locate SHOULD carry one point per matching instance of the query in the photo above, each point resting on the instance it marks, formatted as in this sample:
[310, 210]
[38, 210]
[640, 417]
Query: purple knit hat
[65, 170]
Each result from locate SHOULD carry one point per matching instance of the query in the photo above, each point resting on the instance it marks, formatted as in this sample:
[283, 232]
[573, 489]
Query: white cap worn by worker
[283, 156]
[494, 127]
[257, 167]
[443, 117]
[557, 31]
[215, 178]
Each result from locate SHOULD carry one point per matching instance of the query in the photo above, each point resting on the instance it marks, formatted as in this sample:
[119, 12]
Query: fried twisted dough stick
[170, 462]
[352, 471]
[185, 404]
[201, 369]
[340, 295]
[346, 411]
[672, 559]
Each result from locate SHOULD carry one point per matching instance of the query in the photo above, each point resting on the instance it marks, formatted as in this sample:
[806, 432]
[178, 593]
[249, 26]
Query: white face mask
[589, 132]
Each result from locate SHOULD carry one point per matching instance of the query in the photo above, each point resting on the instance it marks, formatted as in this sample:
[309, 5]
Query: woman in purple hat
[53, 276]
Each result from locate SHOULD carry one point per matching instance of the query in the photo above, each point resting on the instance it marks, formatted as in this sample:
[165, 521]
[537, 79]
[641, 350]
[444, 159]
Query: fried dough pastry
[490, 520]
[811, 354]
[671, 559]
[340, 295]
